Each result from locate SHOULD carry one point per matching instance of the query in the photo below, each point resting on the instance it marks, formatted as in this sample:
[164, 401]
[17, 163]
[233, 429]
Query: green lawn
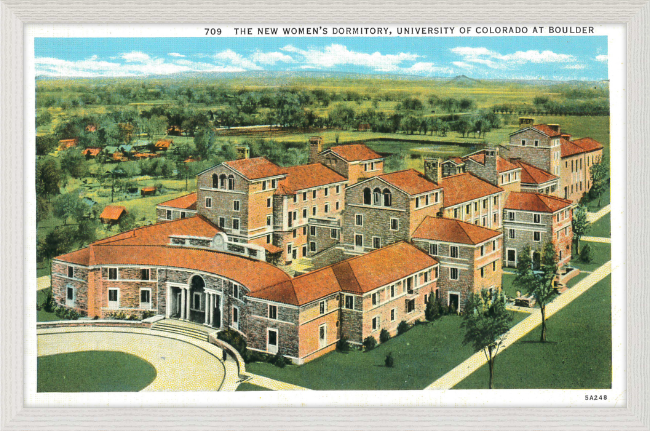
[42, 315]
[95, 371]
[605, 199]
[601, 227]
[244, 387]
[577, 355]
[601, 254]
[421, 356]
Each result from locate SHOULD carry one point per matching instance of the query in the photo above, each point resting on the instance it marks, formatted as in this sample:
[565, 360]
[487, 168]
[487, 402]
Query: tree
[539, 284]
[486, 322]
[204, 141]
[432, 309]
[70, 205]
[43, 208]
[55, 243]
[580, 225]
[127, 222]
[86, 231]
[74, 163]
[48, 178]
[43, 118]
[410, 124]
[598, 173]
[46, 144]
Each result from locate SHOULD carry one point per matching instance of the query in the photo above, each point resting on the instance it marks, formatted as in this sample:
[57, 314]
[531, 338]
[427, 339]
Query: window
[304, 250]
[235, 290]
[326, 190]
[144, 274]
[387, 198]
[537, 218]
[112, 273]
[496, 200]
[235, 205]
[375, 323]
[304, 213]
[183, 215]
[376, 242]
[392, 291]
[455, 212]
[313, 194]
[338, 189]
[312, 230]
[410, 306]
[145, 298]
[222, 181]
[433, 249]
[367, 196]
[482, 250]
[376, 197]
[268, 202]
[394, 224]
[294, 233]
[208, 202]
[327, 207]
[494, 266]
[392, 315]
[312, 246]
[523, 142]
[511, 215]
[322, 307]
[375, 298]
[235, 224]
[70, 271]
[231, 182]
[435, 197]
[358, 220]
[333, 233]
[536, 236]
[483, 272]
[338, 205]
[511, 233]
[304, 196]
[475, 206]
[274, 183]
[215, 181]
[168, 215]
[222, 222]
[264, 185]
[322, 336]
[268, 239]
[273, 312]
[484, 203]
[468, 208]
[453, 273]
[494, 245]
[536, 143]
[313, 211]
[69, 296]
[113, 298]
[269, 220]
[453, 251]
[417, 202]
[349, 302]
[304, 230]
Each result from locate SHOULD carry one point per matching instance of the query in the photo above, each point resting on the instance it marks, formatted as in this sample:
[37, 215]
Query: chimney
[555, 127]
[243, 152]
[433, 169]
[491, 159]
[565, 136]
[526, 121]
[315, 147]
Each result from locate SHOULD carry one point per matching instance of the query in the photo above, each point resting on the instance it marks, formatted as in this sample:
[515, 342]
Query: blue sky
[544, 57]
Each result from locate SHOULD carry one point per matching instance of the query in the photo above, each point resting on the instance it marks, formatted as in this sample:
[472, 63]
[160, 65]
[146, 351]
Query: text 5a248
[212, 31]
[595, 397]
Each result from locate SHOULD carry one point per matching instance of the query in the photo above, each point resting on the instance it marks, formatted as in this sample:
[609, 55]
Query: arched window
[376, 197]
[231, 182]
[222, 180]
[215, 181]
[387, 198]
[366, 196]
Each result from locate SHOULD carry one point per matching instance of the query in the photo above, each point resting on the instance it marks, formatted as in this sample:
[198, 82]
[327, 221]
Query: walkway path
[182, 363]
[596, 239]
[592, 217]
[477, 360]
[274, 385]
[43, 282]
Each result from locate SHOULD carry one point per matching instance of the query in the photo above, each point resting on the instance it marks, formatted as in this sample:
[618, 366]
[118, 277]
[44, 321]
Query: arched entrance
[197, 299]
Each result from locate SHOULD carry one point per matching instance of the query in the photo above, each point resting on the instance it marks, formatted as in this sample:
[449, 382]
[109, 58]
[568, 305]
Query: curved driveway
[182, 363]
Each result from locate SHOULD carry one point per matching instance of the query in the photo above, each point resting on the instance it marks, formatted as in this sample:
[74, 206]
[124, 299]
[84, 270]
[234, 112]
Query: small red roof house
[91, 151]
[91, 128]
[112, 214]
[141, 156]
[147, 191]
[163, 145]
[64, 144]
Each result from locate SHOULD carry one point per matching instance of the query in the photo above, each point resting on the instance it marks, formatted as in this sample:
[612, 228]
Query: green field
[93, 371]
[577, 355]
[601, 254]
[601, 227]
[421, 356]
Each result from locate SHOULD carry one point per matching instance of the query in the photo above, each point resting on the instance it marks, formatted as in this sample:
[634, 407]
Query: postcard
[327, 215]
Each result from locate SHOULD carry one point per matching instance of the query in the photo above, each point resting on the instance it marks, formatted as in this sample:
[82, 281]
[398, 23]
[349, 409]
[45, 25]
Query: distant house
[112, 214]
[140, 156]
[92, 128]
[141, 145]
[147, 191]
[163, 145]
[64, 144]
[91, 152]
[174, 131]
[126, 149]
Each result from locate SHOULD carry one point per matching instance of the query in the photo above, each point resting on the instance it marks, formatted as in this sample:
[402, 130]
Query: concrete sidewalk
[274, 385]
[43, 282]
[477, 360]
[592, 217]
[596, 239]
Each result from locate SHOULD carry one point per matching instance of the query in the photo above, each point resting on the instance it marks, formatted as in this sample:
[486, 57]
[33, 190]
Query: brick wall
[79, 281]
[322, 238]
[286, 324]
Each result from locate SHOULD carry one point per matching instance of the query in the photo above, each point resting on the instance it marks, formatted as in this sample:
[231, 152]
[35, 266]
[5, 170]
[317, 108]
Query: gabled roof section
[569, 148]
[548, 131]
[186, 202]
[354, 152]
[455, 160]
[303, 177]
[80, 257]
[410, 181]
[588, 144]
[536, 202]
[112, 212]
[255, 168]
[503, 165]
[532, 174]
[465, 187]
[455, 231]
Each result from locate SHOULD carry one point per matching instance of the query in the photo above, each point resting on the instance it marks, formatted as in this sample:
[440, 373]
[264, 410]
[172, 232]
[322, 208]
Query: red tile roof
[80, 257]
[255, 168]
[358, 275]
[568, 148]
[112, 212]
[503, 165]
[303, 177]
[546, 130]
[410, 181]
[186, 202]
[91, 151]
[465, 187]
[532, 174]
[536, 202]
[355, 152]
[457, 160]
[163, 143]
[451, 230]
[588, 144]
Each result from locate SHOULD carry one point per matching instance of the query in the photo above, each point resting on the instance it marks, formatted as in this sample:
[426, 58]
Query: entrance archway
[197, 299]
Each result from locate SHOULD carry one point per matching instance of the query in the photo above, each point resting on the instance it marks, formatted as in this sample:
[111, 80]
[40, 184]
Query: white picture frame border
[15, 14]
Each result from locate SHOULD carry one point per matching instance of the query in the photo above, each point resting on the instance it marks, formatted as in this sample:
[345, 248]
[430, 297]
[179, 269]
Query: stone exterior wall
[352, 319]
[259, 323]
[335, 163]
[322, 238]
[79, 281]
[542, 156]
[161, 213]
[474, 212]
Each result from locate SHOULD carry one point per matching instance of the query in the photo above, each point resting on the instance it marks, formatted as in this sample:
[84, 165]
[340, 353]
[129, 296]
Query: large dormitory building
[295, 258]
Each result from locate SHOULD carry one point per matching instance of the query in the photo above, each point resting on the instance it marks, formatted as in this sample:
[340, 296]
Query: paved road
[477, 360]
[592, 217]
[182, 363]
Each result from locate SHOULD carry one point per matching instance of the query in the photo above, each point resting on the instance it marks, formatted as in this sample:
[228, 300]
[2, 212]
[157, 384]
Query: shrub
[279, 360]
[147, 314]
[403, 327]
[49, 304]
[133, 317]
[72, 315]
[255, 356]
[432, 310]
[389, 361]
[235, 339]
[384, 336]
[586, 254]
[60, 312]
[444, 309]
[342, 345]
[369, 343]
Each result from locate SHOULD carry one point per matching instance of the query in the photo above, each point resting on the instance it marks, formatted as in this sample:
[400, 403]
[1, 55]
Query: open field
[569, 359]
[421, 356]
[601, 227]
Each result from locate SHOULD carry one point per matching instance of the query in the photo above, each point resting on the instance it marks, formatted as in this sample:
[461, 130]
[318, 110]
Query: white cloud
[462, 64]
[175, 54]
[495, 60]
[534, 56]
[135, 56]
[339, 55]
[232, 59]
[576, 66]
[271, 57]
[425, 68]
[602, 58]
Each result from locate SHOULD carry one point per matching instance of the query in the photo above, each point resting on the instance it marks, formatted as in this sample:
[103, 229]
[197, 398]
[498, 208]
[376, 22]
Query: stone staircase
[189, 329]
